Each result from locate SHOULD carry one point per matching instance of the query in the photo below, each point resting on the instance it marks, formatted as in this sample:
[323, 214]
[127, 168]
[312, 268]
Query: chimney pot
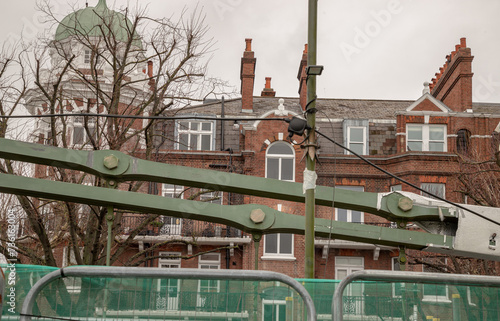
[268, 83]
[248, 46]
[150, 69]
[463, 43]
[268, 91]
[305, 48]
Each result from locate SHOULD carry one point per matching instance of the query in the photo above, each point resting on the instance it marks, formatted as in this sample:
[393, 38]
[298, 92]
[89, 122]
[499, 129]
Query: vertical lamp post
[312, 71]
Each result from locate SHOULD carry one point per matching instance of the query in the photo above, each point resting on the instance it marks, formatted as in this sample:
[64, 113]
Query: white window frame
[87, 55]
[277, 255]
[169, 228]
[396, 267]
[351, 268]
[363, 142]
[78, 121]
[396, 188]
[425, 129]
[435, 298]
[169, 260]
[280, 158]
[71, 260]
[275, 304]
[347, 124]
[440, 185]
[350, 212]
[469, 297]
[204, 263]
[182, 130]
[170, 190]
[214, 197]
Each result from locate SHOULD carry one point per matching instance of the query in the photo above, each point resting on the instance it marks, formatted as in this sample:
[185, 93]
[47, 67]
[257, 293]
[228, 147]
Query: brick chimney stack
[268, 91]
[302, 77]
[247, 76]
[453, 84]
[152, 81]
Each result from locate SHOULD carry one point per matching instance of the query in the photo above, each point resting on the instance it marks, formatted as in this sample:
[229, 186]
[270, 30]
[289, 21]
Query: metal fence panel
[146, 273]
[411, 277]
[2, 285]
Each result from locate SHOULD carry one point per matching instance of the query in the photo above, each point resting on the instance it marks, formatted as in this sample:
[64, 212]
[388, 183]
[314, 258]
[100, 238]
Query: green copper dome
[87, 22]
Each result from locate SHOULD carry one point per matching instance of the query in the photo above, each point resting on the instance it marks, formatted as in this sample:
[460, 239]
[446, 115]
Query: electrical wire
[252, 119]
[408, 183]
[145, 117]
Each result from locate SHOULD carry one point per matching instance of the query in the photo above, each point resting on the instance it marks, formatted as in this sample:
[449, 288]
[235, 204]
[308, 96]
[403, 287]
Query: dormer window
[195, 135]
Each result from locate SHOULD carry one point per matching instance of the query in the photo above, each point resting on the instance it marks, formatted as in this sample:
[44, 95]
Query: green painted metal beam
[251, 218]
[121, 167]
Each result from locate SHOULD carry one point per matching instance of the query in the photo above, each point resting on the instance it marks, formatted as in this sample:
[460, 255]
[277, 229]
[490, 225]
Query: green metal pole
[109, 219]
[311, 148]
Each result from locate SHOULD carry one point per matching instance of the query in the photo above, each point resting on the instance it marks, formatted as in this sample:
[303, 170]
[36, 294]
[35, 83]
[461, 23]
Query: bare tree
[479, 177]
[116, 63]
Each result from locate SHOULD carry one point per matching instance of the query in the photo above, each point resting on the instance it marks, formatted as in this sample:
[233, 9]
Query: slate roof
[333, 108]
[486, 108]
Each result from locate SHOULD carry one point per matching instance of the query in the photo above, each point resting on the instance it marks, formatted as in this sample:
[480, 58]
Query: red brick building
[416, 140]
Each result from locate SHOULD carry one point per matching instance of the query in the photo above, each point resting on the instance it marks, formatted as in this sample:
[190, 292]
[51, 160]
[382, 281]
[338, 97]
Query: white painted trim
[281, 156]
[364, 142]
[279, 256]
[480, 136]
[341, 244]
[274, 111]
[425, 136]
[433, 100]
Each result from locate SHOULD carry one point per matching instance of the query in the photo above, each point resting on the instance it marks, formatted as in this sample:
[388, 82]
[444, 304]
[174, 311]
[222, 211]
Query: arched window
[495, 142]
[280, 161]
[463, 141]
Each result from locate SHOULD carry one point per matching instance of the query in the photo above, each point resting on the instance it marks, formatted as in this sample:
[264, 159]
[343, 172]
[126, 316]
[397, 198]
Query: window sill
[278, 258]
[436, 300]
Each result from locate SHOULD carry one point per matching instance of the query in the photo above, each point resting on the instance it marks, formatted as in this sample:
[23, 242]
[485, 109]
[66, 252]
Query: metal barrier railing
[411, 277]
[190, 274]
[2, 286]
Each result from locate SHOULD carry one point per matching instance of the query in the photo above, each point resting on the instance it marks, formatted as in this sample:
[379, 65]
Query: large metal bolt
[405, 204]
[257, 216]
[111, 161]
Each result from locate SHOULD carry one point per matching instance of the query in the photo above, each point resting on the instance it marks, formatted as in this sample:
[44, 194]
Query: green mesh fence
[172, 299]
[18, 281]
[75, 298]
[370, 300]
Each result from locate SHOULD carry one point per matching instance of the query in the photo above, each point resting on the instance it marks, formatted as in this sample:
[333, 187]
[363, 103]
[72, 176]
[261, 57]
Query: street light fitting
[314, 70]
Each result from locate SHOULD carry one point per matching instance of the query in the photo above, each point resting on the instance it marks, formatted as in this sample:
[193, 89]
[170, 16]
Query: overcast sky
[371, 49]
